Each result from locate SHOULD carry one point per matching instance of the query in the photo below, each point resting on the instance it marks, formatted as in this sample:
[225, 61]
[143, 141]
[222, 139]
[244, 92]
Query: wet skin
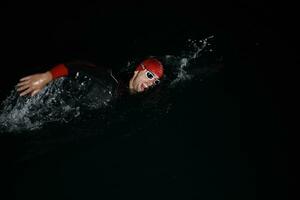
[140, 82]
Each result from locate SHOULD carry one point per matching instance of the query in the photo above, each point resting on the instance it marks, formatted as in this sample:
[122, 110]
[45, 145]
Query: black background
[259, 41]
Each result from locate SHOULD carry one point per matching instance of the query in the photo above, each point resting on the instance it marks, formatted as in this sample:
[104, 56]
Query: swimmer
[147, 74]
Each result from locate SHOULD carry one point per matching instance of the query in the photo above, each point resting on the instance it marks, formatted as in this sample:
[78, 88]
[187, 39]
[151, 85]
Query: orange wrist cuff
[59, 71]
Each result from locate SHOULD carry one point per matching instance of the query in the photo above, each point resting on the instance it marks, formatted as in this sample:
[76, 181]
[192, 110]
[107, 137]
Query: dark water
[217, 136]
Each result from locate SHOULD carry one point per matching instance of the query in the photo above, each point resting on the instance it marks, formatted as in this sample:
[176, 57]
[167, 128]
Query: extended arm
[34, 83]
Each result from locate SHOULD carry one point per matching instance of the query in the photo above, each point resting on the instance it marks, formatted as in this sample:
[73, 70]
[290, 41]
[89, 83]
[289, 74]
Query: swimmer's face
[142, 80]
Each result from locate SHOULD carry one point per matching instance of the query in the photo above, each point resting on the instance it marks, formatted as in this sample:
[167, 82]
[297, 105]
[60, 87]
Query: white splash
[59, 101]
[193, 52]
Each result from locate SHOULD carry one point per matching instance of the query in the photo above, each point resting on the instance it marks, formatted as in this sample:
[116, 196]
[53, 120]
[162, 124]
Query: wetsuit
[101, 87]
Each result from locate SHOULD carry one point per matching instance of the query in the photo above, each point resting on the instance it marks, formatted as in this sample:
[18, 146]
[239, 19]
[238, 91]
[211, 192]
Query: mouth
[143, 86]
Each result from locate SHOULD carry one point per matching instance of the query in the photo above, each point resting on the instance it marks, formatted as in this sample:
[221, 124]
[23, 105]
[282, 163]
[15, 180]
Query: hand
[34, 83]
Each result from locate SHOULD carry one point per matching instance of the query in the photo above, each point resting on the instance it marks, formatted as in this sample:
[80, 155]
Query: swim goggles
[151, 75]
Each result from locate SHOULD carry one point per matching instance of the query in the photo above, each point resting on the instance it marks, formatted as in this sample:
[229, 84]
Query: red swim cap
[153, 65]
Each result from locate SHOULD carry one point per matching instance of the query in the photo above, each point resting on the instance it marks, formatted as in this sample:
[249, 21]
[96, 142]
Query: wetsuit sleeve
[72, 68]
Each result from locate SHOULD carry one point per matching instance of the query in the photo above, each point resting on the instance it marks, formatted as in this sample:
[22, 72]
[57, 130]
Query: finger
[22, 88]
[35, 92]
[26, 92]
[22, 83]
[25, 78]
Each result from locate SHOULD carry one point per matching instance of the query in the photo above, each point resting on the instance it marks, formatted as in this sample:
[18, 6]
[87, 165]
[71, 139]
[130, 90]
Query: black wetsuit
[101, 85]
